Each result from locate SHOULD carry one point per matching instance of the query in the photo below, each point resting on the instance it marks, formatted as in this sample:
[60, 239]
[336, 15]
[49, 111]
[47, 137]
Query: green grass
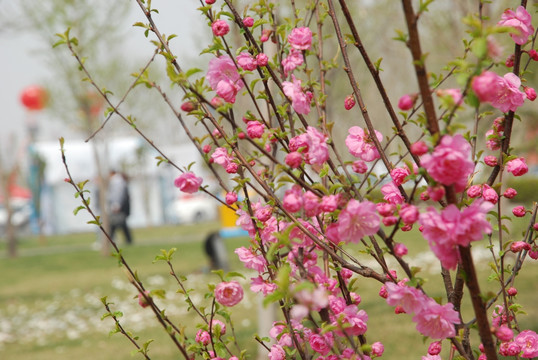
[50, 295]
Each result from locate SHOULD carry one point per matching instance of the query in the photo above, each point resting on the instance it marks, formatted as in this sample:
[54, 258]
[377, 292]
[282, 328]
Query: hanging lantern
[34, 97]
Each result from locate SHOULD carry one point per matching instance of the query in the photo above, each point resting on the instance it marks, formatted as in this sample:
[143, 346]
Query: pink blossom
[353, 319]
[259, 285]
[490, 160]
[220, 156]
[453, 94]
[510, 193]
[231, 168]
[400, 249]
[409, 214]
[410, 299]
[202, 337]
[188, 182]
[262, 59]
[248, 21]
[300, 38]
[220, 28]
[389, 220]
[520, 22]
[250, 260]
[407, 102]
[223, 77]
[509, 348]
[292, 61]
[266, 33]
[377, 349]
[293, 200]
[359, 167]
[229, 293]
[450, 163]
[311, 203]
[349, 102]
[530, 93]
[231, 198]
[318, 150]
[263, 213]
[357, 220]
[255, 129]
[300, 101]
[419, 148]
[217, 325]
[360, 144]
[391, 193]
[398, 175]
[294, 159]
[329, 203]
[321, 343]
[450, 228]
[504, 333]
[493, 139]
[437, 321]
[518, 246]
[474, 191]
[277, 353]
[528, 341]
[502, 92]
[385, 209]
[517, 167]
[489, 194]
[246, 61]
[217, 101]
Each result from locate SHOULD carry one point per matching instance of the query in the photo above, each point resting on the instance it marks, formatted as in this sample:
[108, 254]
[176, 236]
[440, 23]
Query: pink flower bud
[510, 61]
[400, 249]
[241, 135]
[220, 28]
[231, 197]
[390, 220]
[209, 2]
[377, 349]
[424, 196]
[518, 246]
[407, 102]
[434, 348]
[142, 300]
[349, 102]
[533, 54]
[530, 92]
[248, 21]
[217, 101]
[489, 194]
[187, 106]
[409, 214]
[266, 33]
[407, 227]
[294, 159]
[398, 175]
[206, 149]
[519, 211]
[202, 337]
[385, 209]
[533, 253]
[399, 310]
[510, 193]
[232, 167]
[383, 292]
[535, 226]
[359, 167]
[504, 333]
[474, 191]
[490, 160]
[436, 193]
[512, 291]
[419, 148]
[262, 59]
[229, 293]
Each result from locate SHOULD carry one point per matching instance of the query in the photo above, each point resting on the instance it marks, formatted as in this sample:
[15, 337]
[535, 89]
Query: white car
[193, 208]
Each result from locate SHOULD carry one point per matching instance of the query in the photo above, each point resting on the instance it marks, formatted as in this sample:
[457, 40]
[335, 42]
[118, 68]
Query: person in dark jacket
[119, 205]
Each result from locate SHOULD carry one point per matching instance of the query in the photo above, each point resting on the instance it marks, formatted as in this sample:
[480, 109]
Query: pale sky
[22, 66]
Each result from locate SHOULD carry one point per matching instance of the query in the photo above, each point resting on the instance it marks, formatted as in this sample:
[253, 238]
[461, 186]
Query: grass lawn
[50, 297]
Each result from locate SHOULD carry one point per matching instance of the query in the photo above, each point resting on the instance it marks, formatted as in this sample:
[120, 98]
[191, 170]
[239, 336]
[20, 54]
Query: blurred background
[52, 264]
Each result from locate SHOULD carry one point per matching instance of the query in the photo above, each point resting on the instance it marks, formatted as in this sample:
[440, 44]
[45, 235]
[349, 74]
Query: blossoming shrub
[304, 195]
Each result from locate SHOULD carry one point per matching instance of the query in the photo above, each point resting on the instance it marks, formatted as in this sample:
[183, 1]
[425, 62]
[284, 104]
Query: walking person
[119, 205]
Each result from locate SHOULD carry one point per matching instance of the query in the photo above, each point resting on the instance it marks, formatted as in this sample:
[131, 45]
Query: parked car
[193, 208]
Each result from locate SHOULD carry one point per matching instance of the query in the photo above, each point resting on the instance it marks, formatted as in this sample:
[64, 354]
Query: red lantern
[34, 97]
